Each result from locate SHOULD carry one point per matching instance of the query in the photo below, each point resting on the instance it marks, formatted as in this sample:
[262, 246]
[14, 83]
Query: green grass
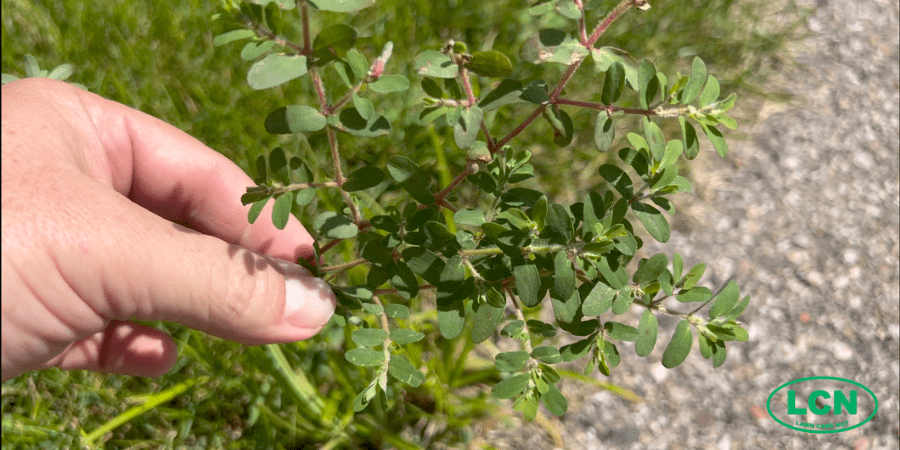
[159, 58]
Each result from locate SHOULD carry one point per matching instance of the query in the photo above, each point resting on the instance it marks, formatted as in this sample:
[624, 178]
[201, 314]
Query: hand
[93, 193]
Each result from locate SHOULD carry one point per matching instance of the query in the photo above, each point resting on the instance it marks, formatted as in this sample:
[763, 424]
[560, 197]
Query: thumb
[224, 289]
[140, 266]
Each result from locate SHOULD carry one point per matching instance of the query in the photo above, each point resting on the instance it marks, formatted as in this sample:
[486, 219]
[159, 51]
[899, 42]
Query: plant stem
[304, 18]
[440, 196]
[344, 266]
[320, 92]
[610, 109]
[620, 9]
[522, 126]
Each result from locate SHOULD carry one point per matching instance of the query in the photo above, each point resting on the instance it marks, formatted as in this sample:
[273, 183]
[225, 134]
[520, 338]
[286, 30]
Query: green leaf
[737, 310]
[342, 5]
[655, 139]
[334, 41]
[402, 168]
[677, 266]
[691, 144]
[390, 83]
[350, 120]
[397, 312]
[563, 129]
[648, 83]
[362, 400]
[620, 331]
[432, 88]
[653, 221]
[647, 330]
[563, 277]
[32, 68]
[373, 309]
[358, 63]
[559, 222]
[599, 300]
[379, 254]
[257, 208]
[619, 179]
[294, 119]
[579, 349]
[335, 226]
[451, 317]
[278, 166]
[274, 70]
[232, 36]
[369, 337]
[511, 361]
[508, 91]
[8, 78]
[364, 108]
[636, 159]
[539, 328]
[673, 151]
[698, 77]
[697, 294]
[613, 84]
[555, 402]
[466, 129]
[404, 336]
[404, 371]
[554, 46]
[431, 63]
[710, 93]
[528, 405]
[719, 354]
[61, 72]
[511, 386]
[679, 346]
[364, 357]
[592, 214]
[253, 49]
[281, 212]
[649, 270]
[716, 138]
[535, 94]
[513, 328]
[566, 310]
[528, 284]
[693, 276]
[405, 281]
[539, 212]
[623, 301]
[547, 354]
[725, 301]
[604, 132]
[486, 319]
[489, 64]
[469, 217]
[605, 57]
[363, 178]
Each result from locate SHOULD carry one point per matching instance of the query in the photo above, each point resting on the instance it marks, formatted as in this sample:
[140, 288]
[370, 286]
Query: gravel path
[804, 214]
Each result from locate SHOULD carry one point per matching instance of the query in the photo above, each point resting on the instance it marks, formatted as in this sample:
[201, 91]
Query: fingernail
[309, 301]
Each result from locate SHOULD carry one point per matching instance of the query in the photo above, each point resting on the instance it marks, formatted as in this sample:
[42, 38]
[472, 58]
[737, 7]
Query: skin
[110, 215]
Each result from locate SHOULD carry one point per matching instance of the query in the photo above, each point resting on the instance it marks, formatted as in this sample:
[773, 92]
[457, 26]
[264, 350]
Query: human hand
[93, 193]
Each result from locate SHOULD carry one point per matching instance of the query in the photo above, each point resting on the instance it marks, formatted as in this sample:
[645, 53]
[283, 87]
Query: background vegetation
[159, 58]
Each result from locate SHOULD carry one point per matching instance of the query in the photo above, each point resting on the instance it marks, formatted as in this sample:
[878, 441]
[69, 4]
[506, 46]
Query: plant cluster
[474, 259]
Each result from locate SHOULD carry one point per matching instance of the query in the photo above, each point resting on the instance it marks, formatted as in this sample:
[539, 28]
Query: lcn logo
[822, 404]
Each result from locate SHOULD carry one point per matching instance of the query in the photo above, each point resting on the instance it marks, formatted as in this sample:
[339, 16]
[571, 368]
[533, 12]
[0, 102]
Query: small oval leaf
[679, 346]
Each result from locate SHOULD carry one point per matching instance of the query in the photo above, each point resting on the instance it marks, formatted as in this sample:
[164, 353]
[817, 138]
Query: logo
[822, 404]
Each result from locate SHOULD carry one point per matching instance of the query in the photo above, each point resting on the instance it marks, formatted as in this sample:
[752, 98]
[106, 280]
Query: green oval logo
[807, 406]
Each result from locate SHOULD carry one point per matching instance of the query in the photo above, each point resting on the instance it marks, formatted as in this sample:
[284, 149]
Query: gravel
[804, 216]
